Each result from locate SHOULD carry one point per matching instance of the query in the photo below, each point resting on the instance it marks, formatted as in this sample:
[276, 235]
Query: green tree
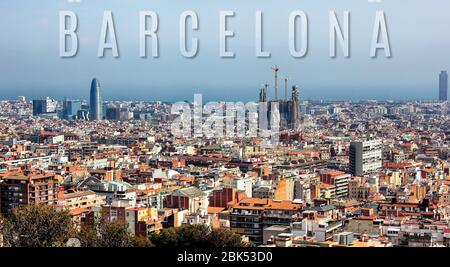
[225, 238]
[43, 226]
[193, 235]
[88, 236]
[110, 234]
[166, 237]
[37, 226]
[141, 241]
[196, 236]
[114, 234]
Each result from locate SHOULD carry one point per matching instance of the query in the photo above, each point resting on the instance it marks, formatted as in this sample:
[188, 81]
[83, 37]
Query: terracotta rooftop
[22, 176]
[326, 186]
[266, 203]
[214, 210]
[77, 194]
[334, 172]
[78, 211]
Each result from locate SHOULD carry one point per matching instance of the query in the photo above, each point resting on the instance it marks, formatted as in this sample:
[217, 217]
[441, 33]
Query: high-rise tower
[263, 94]
[71, 108]
[295, 108]
[96, 101]
[275, 72]
[443, 86]
[45, 105]
[365, 156]
[286, 79]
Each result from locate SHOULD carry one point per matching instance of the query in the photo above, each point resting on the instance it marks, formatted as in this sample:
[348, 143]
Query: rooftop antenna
[275, 70]
[286, 79]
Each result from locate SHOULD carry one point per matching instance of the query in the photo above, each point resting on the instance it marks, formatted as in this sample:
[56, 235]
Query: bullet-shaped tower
[96, 101]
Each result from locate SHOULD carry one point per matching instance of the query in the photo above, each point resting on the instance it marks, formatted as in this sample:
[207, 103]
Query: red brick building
[221, 197]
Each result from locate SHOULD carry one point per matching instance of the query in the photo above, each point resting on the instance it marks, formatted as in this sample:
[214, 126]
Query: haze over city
[31, 65]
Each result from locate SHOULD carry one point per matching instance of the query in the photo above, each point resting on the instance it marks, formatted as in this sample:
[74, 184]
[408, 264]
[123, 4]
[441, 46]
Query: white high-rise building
[365, 156]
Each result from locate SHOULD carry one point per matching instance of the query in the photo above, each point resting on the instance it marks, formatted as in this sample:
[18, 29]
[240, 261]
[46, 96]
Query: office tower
[37, 107]
[70, 109]
[96, 102]
[113, 113]
[21, 99]
[44, 106]
[365, 156]
[443, 86]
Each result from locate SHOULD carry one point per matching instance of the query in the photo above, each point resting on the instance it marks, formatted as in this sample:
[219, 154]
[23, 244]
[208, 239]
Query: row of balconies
[254, 226]
[245, 212]
[247, 220]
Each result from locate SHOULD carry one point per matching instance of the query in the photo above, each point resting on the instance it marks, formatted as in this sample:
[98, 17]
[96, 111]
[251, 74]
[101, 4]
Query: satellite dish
[73, 242]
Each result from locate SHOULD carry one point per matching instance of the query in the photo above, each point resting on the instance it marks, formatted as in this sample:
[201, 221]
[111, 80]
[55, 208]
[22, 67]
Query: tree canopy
[197, 236]
[37, 226]
[45, 226]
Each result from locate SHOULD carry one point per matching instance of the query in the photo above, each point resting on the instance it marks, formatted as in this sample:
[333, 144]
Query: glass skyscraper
[71, 108]
[96, 102]
[44, 106]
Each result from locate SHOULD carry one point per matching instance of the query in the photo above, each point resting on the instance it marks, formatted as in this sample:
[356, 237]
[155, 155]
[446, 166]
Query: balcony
[245, 213]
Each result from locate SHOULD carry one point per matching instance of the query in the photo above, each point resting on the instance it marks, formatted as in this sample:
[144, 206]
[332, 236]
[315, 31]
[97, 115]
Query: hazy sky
[30, 64]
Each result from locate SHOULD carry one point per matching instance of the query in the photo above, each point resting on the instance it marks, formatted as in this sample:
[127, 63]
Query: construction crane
[275, 70]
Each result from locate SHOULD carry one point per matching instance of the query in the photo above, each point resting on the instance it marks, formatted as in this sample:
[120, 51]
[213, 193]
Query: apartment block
[26, 188]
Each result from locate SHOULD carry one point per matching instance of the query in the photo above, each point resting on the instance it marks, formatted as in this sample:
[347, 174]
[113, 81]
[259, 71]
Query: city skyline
[355, 175]
[266, 92]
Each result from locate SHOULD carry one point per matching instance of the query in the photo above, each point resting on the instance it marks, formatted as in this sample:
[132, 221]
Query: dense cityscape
[344, 174]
